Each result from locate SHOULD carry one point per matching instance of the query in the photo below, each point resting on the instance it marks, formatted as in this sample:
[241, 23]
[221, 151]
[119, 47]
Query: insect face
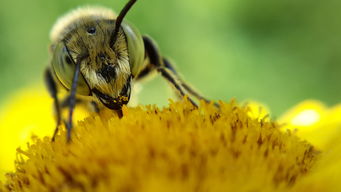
[105, 67]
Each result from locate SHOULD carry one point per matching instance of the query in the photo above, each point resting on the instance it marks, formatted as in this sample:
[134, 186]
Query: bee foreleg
[52, 89]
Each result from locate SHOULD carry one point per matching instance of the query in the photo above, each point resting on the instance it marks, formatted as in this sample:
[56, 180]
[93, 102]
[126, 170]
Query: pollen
[176, 148]
[124, 98]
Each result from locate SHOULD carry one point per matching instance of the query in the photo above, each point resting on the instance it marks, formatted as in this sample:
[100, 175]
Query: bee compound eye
[91, 30]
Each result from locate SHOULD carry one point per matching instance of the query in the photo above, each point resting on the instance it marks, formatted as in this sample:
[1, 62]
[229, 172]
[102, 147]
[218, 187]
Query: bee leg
[166, 69]
[169, 66]
[155, 62]
[152, 54]
[72, 102]
[145, 72]
[95, 106]
[52, 89]
[66, 102]
[171, 79]
[185, 85]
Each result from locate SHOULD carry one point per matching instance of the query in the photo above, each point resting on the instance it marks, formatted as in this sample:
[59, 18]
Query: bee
[98, 56]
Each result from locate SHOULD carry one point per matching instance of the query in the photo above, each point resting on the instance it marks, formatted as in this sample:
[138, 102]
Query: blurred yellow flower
[313, 121]
[28, 112]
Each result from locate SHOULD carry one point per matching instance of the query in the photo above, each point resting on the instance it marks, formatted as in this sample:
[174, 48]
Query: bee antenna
[119, 20]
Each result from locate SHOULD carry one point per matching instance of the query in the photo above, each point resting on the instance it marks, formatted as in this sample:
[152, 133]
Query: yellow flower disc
[178, 148]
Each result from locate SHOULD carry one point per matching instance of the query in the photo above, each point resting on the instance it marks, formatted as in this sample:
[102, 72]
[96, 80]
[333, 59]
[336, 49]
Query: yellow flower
[314, 122]
[177, 148]
[28, 112]
[321, 126]
[326, 173]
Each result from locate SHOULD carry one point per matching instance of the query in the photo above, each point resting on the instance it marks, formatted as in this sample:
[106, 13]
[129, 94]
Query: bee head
[104, 66]
[95, 39]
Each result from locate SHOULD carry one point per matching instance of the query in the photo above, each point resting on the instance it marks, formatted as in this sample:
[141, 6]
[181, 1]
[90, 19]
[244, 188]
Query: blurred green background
[275, 52]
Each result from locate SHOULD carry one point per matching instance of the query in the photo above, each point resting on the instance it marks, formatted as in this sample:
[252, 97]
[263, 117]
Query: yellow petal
[28, 112]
